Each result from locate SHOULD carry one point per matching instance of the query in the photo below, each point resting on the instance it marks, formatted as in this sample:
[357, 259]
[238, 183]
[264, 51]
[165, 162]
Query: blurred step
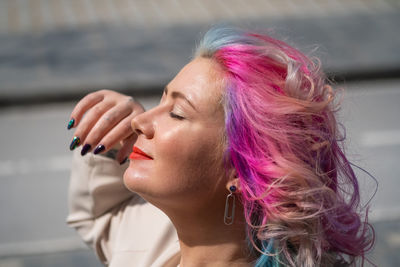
[18, 16]
[138, 46]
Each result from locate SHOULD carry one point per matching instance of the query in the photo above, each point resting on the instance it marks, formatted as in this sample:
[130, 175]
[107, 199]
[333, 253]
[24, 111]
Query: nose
[142, 124]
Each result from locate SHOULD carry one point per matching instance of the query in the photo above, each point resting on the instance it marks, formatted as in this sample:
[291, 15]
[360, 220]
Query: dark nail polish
[75, 142]
[85, 149]
[122, 162]
[71, 124]
[99, 149]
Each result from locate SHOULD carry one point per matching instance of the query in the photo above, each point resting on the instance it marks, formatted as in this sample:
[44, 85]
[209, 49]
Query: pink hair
[299, 191]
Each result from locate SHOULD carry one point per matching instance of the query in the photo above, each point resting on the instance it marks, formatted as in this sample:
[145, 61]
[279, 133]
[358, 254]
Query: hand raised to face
[102, 120]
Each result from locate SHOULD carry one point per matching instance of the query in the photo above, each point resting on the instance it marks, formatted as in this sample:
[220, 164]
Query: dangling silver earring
[230, 215]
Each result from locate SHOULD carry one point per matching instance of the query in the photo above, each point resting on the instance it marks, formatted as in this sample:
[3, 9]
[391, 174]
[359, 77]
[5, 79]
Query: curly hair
[300, 195]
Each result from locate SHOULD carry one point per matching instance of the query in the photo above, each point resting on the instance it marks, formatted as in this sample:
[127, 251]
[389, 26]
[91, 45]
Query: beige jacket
[122, 228]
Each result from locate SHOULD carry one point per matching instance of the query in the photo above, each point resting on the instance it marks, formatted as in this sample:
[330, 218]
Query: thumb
[126, 148]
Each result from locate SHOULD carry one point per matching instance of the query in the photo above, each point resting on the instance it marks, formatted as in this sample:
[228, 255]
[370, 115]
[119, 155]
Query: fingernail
[85, 149]
[71, 124]
[99, 148]
[122, 162]
[75, 142]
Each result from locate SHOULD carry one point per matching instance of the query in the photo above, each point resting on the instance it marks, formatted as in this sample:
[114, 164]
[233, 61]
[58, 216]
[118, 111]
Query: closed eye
[175, 116]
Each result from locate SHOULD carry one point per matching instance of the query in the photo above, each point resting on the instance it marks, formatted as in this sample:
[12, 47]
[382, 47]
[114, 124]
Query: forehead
[201, 81]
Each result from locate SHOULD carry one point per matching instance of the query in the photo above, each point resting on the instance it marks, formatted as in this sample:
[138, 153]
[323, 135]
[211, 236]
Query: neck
[206, 241]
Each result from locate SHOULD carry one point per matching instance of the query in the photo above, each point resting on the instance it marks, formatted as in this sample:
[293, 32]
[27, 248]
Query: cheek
[187, 158]
[184, 165]
[183, 146]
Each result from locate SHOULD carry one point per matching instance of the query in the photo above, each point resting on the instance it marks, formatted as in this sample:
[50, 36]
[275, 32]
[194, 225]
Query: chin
[153, 191]
[136, 177]
[139, 181]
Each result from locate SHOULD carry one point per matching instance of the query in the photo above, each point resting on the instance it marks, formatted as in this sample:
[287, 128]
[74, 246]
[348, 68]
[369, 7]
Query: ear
[233, 180]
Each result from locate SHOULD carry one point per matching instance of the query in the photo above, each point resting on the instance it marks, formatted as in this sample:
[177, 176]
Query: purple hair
[300, 195]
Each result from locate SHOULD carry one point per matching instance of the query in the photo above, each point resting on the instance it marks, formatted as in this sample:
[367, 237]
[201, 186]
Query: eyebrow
[175, 94]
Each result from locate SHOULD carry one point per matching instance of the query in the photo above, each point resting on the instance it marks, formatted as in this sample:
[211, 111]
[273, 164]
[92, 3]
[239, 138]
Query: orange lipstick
[139, 154]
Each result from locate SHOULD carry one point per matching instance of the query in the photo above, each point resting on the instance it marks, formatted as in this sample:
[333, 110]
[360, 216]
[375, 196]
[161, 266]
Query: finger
[84, 105]
[126, 148]
[120, 132]
[90, 119]
[107, 121]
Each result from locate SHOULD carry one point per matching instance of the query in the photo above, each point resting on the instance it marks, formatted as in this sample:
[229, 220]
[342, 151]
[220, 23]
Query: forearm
[96, 186]
[96, 192]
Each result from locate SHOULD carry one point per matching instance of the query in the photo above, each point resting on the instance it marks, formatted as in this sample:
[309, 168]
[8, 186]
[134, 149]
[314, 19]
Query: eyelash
[173, 115]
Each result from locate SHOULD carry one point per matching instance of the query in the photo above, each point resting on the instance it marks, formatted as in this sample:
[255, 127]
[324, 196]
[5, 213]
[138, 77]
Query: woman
[239, 165]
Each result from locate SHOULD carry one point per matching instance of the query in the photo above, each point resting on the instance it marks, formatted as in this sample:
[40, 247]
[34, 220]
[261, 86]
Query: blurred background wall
[53, 52]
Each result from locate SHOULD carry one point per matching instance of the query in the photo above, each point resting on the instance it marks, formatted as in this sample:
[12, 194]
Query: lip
[137, 153]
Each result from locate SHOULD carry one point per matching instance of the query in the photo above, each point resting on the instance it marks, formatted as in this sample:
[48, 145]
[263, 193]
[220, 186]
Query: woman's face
[183, 136]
